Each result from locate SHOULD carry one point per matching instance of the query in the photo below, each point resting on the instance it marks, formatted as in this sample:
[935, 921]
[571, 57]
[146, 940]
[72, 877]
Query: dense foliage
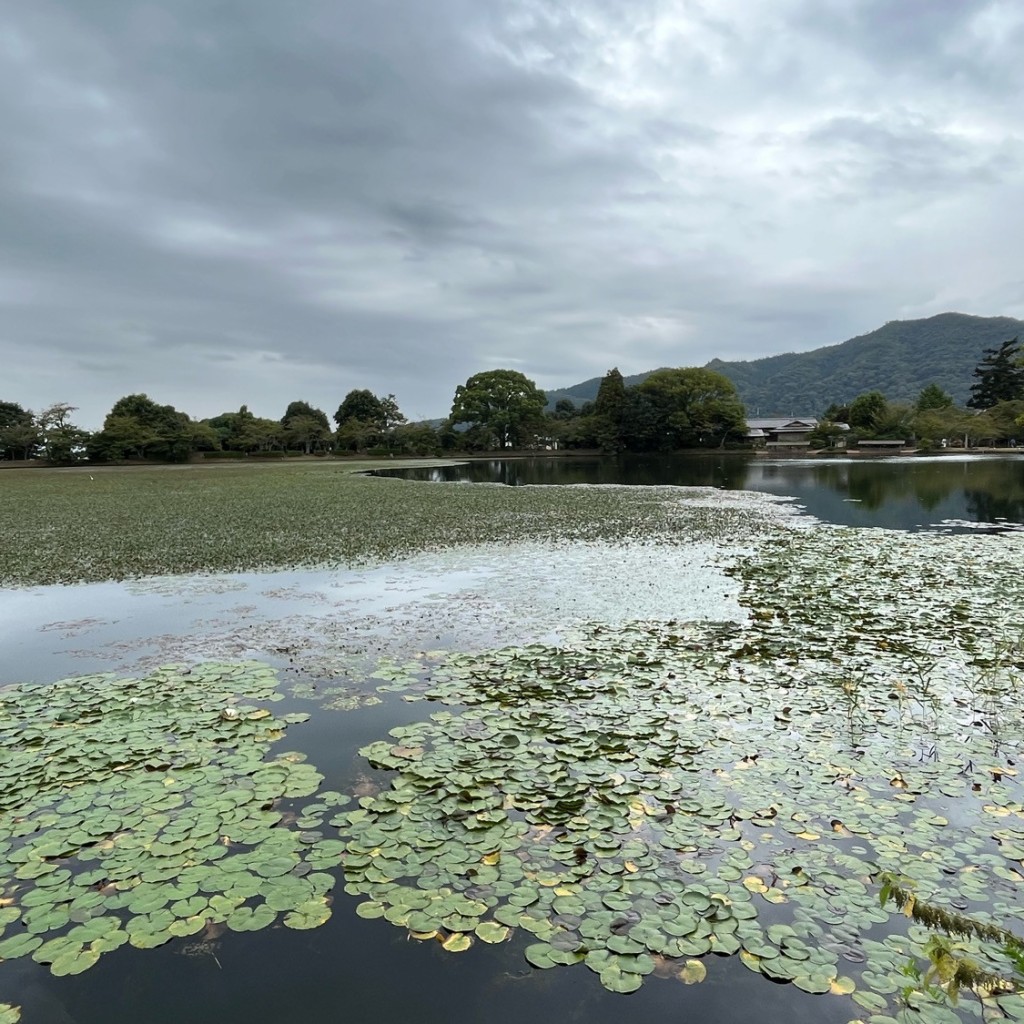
[1000, 376]
[688, 407]
[502, 408]
[139, 429]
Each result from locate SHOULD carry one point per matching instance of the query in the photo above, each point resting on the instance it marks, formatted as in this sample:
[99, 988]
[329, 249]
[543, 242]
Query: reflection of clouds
[327, 623]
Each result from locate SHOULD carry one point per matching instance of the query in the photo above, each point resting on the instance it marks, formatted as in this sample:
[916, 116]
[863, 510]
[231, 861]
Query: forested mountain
[898, 359]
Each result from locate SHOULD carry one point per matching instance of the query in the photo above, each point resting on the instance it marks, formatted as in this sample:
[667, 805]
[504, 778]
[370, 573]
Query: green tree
[865, 409]
[1005, 417]
[933, 397]
[305, 427]
[261, 435]
[932, 426]
[12, 414]
[203, 438]
[967, 427]
[123, 437]
[827, 434]
[139, 427]
[309, 433]
[1000, 376]
[357, 435]
[304, 409]
[415, 439]
[642, 428]
[836, 413]
[393, 416]
[609, 410]
[19, 435]
[611, 396]
[231, 427]
[505, 407]
[565, 409]
[895, 422]
[362, 405]
[694, 407]
[62, 443]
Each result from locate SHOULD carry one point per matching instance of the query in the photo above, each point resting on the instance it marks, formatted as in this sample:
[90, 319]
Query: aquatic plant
[117, 524]
[641, 796]
[136, 811]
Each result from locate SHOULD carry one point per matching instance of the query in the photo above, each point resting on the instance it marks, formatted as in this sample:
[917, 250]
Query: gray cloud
[255, 202]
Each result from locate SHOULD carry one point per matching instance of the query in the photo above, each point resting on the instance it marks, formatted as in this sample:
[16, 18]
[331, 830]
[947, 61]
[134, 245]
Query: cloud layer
[251, 201]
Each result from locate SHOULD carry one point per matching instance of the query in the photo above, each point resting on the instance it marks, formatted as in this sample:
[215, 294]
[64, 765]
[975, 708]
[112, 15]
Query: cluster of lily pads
[117, 524]
[135, 811]
[645, 795]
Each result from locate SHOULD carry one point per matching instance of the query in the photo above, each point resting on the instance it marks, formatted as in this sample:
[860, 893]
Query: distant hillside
[587, 390]
[898, 359]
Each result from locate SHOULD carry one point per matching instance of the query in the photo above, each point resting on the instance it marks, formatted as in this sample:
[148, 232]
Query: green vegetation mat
[61, 526]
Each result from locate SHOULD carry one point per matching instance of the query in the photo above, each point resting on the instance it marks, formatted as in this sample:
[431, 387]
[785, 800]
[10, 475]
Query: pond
[589, 779]
[317, 628]
[900, 493]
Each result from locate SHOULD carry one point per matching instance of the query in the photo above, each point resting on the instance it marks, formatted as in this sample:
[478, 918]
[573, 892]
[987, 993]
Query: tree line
[672, 409]
[993, 415]
[138, 428]
[493, 410]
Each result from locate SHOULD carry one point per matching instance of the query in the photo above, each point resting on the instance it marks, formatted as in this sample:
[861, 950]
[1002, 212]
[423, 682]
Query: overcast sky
[228, 201]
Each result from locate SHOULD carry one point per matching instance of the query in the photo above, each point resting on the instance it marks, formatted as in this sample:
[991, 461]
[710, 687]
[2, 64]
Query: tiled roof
[780, 423]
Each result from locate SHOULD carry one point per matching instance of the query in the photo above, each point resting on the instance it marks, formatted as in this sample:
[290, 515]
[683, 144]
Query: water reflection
[897, 493]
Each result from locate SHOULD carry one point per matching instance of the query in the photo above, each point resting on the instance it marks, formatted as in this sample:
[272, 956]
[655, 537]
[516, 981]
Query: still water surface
[903, 493]
[360, 970]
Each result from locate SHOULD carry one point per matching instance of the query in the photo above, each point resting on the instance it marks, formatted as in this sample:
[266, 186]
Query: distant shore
[573, 453]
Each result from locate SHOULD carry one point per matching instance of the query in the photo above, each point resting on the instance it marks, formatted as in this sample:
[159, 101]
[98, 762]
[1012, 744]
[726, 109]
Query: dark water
[359, 971]
[906, 493]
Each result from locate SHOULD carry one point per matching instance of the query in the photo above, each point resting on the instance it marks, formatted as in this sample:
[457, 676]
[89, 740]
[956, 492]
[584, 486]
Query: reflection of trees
[728, 471]
[877, 483]
[985, 507]
[993, 493]
[991, 488]
[931, 490]
[875, 486]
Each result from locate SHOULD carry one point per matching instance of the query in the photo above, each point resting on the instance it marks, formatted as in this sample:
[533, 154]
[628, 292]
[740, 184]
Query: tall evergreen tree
[611, 395]
[1000, 376]
[610, 411]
